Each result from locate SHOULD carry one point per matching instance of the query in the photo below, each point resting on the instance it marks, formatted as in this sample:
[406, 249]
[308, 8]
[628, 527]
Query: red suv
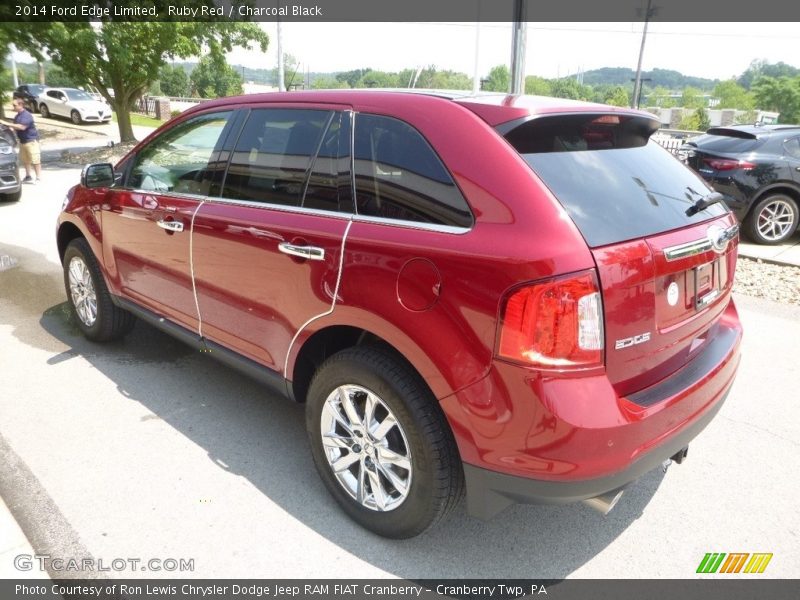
[522, 298]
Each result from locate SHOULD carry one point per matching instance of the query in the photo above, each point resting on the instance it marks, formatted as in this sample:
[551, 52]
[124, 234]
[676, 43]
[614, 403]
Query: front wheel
[772, 220]
[76, 117]
[381, 443]
[44, 110]
[13, 196]
[96, 315]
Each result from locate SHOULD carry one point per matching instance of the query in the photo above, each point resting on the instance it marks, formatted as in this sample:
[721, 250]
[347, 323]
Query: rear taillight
[727, 164]
[556, 324]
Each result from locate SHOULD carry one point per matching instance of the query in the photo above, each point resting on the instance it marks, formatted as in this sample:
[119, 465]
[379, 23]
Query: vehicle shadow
[270, 450]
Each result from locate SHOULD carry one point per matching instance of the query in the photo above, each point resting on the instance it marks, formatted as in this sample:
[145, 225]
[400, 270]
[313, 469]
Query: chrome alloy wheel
[81, 289]
[775, 219]
[366, 448]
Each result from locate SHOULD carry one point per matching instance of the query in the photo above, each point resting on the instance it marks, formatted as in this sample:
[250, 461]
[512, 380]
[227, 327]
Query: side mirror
[98, 175]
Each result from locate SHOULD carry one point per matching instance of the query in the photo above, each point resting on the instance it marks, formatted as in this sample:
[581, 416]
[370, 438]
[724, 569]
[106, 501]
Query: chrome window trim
[688, 249]
[435, 227]
[281, 207]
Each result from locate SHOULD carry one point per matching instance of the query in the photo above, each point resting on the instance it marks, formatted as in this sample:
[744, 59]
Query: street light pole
[637, 86]
[518, 39]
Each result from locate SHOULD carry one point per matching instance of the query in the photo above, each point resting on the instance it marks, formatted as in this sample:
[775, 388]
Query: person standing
[28, 135]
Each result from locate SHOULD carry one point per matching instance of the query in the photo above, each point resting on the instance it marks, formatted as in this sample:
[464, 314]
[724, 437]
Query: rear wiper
[703, 203]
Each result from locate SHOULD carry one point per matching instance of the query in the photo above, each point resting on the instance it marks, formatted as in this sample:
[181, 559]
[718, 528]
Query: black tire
[111, 322]
[436, 476]
[76, 117]
[12, 197]
[757, 225]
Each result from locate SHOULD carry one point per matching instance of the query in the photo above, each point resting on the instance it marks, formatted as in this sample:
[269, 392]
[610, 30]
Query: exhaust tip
[604, 503]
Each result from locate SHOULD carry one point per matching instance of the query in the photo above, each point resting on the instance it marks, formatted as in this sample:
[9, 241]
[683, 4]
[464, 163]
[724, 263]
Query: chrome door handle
[174, 226]
[307, 252]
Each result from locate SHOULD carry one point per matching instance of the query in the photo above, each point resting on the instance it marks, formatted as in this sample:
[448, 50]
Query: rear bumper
[526, 438]
[490, 492]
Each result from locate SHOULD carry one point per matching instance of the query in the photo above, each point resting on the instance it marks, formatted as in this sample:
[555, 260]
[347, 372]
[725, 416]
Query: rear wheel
[44, 110]
[95, 314]
[76, 117]
[772, 220]
[381, 443]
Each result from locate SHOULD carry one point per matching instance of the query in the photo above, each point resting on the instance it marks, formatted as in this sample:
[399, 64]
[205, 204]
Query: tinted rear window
[614, 183]
[726, 143]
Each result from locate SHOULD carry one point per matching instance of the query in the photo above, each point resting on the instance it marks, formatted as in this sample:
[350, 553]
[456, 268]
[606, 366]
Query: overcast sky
[713, 50]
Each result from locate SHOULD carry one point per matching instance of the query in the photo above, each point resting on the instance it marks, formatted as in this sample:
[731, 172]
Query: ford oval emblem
[718, 238]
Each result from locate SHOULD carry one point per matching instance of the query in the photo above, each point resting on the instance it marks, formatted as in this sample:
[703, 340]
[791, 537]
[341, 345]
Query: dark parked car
[10, 183]
[29, 92]
[519, 297]
[757, 170]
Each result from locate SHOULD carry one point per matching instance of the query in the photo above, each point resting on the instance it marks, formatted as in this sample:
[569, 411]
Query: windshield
[78, 95]
[614, 183]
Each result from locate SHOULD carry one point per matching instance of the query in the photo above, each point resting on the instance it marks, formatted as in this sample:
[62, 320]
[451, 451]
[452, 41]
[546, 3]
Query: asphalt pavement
[144, 449]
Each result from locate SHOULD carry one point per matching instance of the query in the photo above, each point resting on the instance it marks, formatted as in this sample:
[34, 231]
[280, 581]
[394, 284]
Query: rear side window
[272, 157]
[615, 184]
[399, 176]
[792, 147]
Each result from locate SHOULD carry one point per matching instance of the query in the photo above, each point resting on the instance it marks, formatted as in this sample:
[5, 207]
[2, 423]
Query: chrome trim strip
[280, 207]
[449, 229]
[327, 312]
[687, 249]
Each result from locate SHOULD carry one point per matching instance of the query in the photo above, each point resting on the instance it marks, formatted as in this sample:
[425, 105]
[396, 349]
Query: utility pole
[518, 38]
[476, 76]
[637, 86]
[14, 66]
[281, 83]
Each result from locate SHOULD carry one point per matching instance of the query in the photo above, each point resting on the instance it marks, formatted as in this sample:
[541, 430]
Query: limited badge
[672, 294]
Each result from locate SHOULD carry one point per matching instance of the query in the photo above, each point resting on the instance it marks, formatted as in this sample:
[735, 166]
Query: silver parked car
[74, 104]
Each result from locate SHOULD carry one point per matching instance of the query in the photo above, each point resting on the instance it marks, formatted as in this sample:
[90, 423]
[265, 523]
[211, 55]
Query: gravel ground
[759, 279]
[102, 154]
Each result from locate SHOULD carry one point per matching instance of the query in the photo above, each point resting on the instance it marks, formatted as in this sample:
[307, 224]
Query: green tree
[569, 88]
[617, 96]
[691, 98]
[126, 57]
[352, 77]
[213, 77]
[174, 81]
[660, 96]
[732, 95]
[434, 79]
[499, 79]
[328, 83]
[379, 79]
[780, 94]
[538, 86]
[23, 37]
[703, 121]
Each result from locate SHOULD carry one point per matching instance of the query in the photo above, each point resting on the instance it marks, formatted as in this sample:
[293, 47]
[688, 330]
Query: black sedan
[757, 170]
[29, 92]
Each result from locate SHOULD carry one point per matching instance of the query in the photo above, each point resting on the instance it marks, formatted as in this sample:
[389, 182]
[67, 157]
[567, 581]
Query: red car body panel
[435, 295]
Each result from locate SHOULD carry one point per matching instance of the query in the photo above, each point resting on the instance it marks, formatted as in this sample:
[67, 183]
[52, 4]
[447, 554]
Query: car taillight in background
[727, 164]
[555, 324]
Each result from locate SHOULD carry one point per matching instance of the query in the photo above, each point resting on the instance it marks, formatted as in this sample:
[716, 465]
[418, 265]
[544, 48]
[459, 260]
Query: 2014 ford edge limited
[518, 298]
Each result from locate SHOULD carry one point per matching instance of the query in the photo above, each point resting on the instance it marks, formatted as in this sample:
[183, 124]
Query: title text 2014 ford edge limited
[520, 298]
